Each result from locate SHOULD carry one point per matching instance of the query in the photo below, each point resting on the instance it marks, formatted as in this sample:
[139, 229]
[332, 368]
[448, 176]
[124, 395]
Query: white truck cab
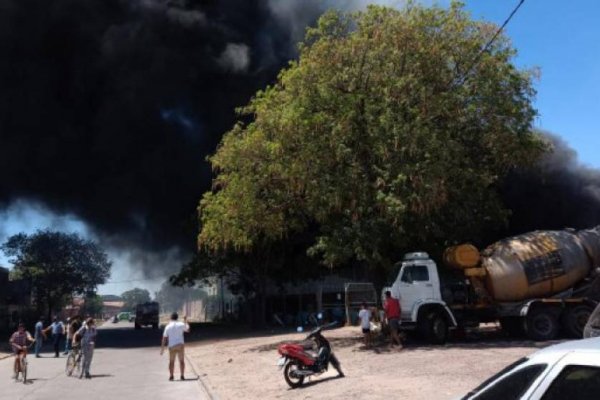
[418, 288]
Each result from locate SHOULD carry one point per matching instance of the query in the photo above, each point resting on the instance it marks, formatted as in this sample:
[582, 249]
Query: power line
[489, 43]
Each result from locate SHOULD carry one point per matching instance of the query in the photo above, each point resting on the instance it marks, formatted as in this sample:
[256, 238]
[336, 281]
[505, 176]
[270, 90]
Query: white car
[566, 371]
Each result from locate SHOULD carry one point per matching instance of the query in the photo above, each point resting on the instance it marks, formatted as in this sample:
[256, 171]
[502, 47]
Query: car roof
[591, 345]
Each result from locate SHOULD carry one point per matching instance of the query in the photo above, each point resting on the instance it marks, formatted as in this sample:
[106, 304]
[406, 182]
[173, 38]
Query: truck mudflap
[441, 304]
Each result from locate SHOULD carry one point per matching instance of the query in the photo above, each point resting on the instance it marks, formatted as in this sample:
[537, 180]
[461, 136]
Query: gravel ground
[238, 368]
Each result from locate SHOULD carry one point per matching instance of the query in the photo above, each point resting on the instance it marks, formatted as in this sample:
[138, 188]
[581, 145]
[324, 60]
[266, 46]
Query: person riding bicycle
[18, 342]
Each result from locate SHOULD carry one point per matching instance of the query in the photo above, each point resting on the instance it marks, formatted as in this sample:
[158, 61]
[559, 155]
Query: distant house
[112, 307]
[74, 307]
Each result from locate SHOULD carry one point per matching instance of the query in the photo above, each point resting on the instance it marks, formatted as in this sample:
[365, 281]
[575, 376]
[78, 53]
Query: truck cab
[418, 288]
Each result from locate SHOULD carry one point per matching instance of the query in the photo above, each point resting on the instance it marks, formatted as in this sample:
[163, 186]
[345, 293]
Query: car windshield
[494, 377]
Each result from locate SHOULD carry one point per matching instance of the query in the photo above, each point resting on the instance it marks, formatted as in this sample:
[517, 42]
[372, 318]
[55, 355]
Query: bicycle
[22, 364]
[73, 360]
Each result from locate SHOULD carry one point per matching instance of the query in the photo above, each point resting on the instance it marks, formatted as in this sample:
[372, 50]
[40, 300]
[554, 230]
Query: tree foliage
[58, 265]
[135, 296]
[392, 129]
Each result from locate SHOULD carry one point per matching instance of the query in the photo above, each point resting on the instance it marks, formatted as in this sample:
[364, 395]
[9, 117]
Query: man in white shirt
[173, 337]
[365, 323]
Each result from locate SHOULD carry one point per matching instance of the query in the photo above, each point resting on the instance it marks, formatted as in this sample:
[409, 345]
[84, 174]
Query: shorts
[394, 324]
[366, 330]
[176, 350]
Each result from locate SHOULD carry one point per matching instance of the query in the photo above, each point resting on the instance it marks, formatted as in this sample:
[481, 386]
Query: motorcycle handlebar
[320, 328]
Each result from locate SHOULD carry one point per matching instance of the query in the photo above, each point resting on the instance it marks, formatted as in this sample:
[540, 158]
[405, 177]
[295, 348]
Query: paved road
[126, 365]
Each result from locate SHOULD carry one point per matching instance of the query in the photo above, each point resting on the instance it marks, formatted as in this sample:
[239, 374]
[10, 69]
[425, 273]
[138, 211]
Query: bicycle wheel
[71, 361]
[78, 365]
[24, 369]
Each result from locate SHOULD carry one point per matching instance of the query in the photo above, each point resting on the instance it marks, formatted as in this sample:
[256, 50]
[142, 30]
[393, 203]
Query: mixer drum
[536, 264]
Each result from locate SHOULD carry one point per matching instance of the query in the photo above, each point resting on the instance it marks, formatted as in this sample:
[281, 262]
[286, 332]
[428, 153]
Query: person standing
[39, 336]
[392, 315]
[68, 336]
[57, 328]
[173, 337]
[365, 323]
[87, 335]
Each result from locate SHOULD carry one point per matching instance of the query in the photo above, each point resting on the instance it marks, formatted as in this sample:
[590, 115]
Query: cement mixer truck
[540, 284]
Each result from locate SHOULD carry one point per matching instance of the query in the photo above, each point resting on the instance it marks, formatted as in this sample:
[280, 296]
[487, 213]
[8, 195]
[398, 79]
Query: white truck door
[414, 285]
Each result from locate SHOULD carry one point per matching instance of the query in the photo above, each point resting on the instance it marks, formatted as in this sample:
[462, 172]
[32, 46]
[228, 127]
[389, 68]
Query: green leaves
[385, 133]
[58, 264]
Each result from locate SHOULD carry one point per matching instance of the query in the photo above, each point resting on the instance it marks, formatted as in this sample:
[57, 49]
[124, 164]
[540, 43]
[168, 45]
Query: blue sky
[562, 39]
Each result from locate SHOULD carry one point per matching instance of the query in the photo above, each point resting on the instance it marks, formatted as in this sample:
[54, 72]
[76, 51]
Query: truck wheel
[541, 324]
[513, 326]
[435, 328]
[574, 320]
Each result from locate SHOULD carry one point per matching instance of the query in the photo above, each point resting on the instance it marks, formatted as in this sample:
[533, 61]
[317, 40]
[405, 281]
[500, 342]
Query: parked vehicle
[146, 314]
[124, 316]
[569, 370]
[539, 284]
[592, 328]
[297, 362]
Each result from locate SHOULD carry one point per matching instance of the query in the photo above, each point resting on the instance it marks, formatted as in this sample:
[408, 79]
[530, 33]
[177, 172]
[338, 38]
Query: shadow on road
[123, 335]
[102, 375]
[318, 381]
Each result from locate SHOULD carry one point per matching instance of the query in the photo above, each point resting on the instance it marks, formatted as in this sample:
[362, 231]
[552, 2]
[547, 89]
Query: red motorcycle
[298, 362]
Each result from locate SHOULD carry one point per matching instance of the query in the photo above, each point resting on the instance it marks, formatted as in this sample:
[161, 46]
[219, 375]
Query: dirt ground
[245, 367]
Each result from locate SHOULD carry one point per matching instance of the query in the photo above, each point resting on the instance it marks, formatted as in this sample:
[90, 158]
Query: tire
[292, 381]
[435, 328]
[541, 324]
[78, 363]
[574, 319]
[513, 326]
[24, 369]
[71, 362]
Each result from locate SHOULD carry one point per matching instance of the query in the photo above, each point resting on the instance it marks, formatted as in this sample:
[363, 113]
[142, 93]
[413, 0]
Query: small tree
[58, 265]
[135, 296]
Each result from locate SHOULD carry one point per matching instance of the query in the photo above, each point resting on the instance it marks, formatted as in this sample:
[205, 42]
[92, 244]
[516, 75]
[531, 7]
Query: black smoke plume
[559, 192]
[108, 108]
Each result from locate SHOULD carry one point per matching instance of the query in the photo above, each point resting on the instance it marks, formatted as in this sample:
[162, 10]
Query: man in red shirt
[392, 315]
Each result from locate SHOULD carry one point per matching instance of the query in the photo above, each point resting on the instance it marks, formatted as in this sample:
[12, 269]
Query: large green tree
[58, 265]
[391, 130]
[135, 296]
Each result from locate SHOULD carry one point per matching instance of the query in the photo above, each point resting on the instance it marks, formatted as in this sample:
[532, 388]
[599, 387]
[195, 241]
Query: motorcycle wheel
[292, 380]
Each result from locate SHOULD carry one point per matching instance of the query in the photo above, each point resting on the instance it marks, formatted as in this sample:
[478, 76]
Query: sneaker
[171, 378]
[88, 376]
[182, 378]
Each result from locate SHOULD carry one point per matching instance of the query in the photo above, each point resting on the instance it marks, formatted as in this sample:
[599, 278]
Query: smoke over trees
[109, 107]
